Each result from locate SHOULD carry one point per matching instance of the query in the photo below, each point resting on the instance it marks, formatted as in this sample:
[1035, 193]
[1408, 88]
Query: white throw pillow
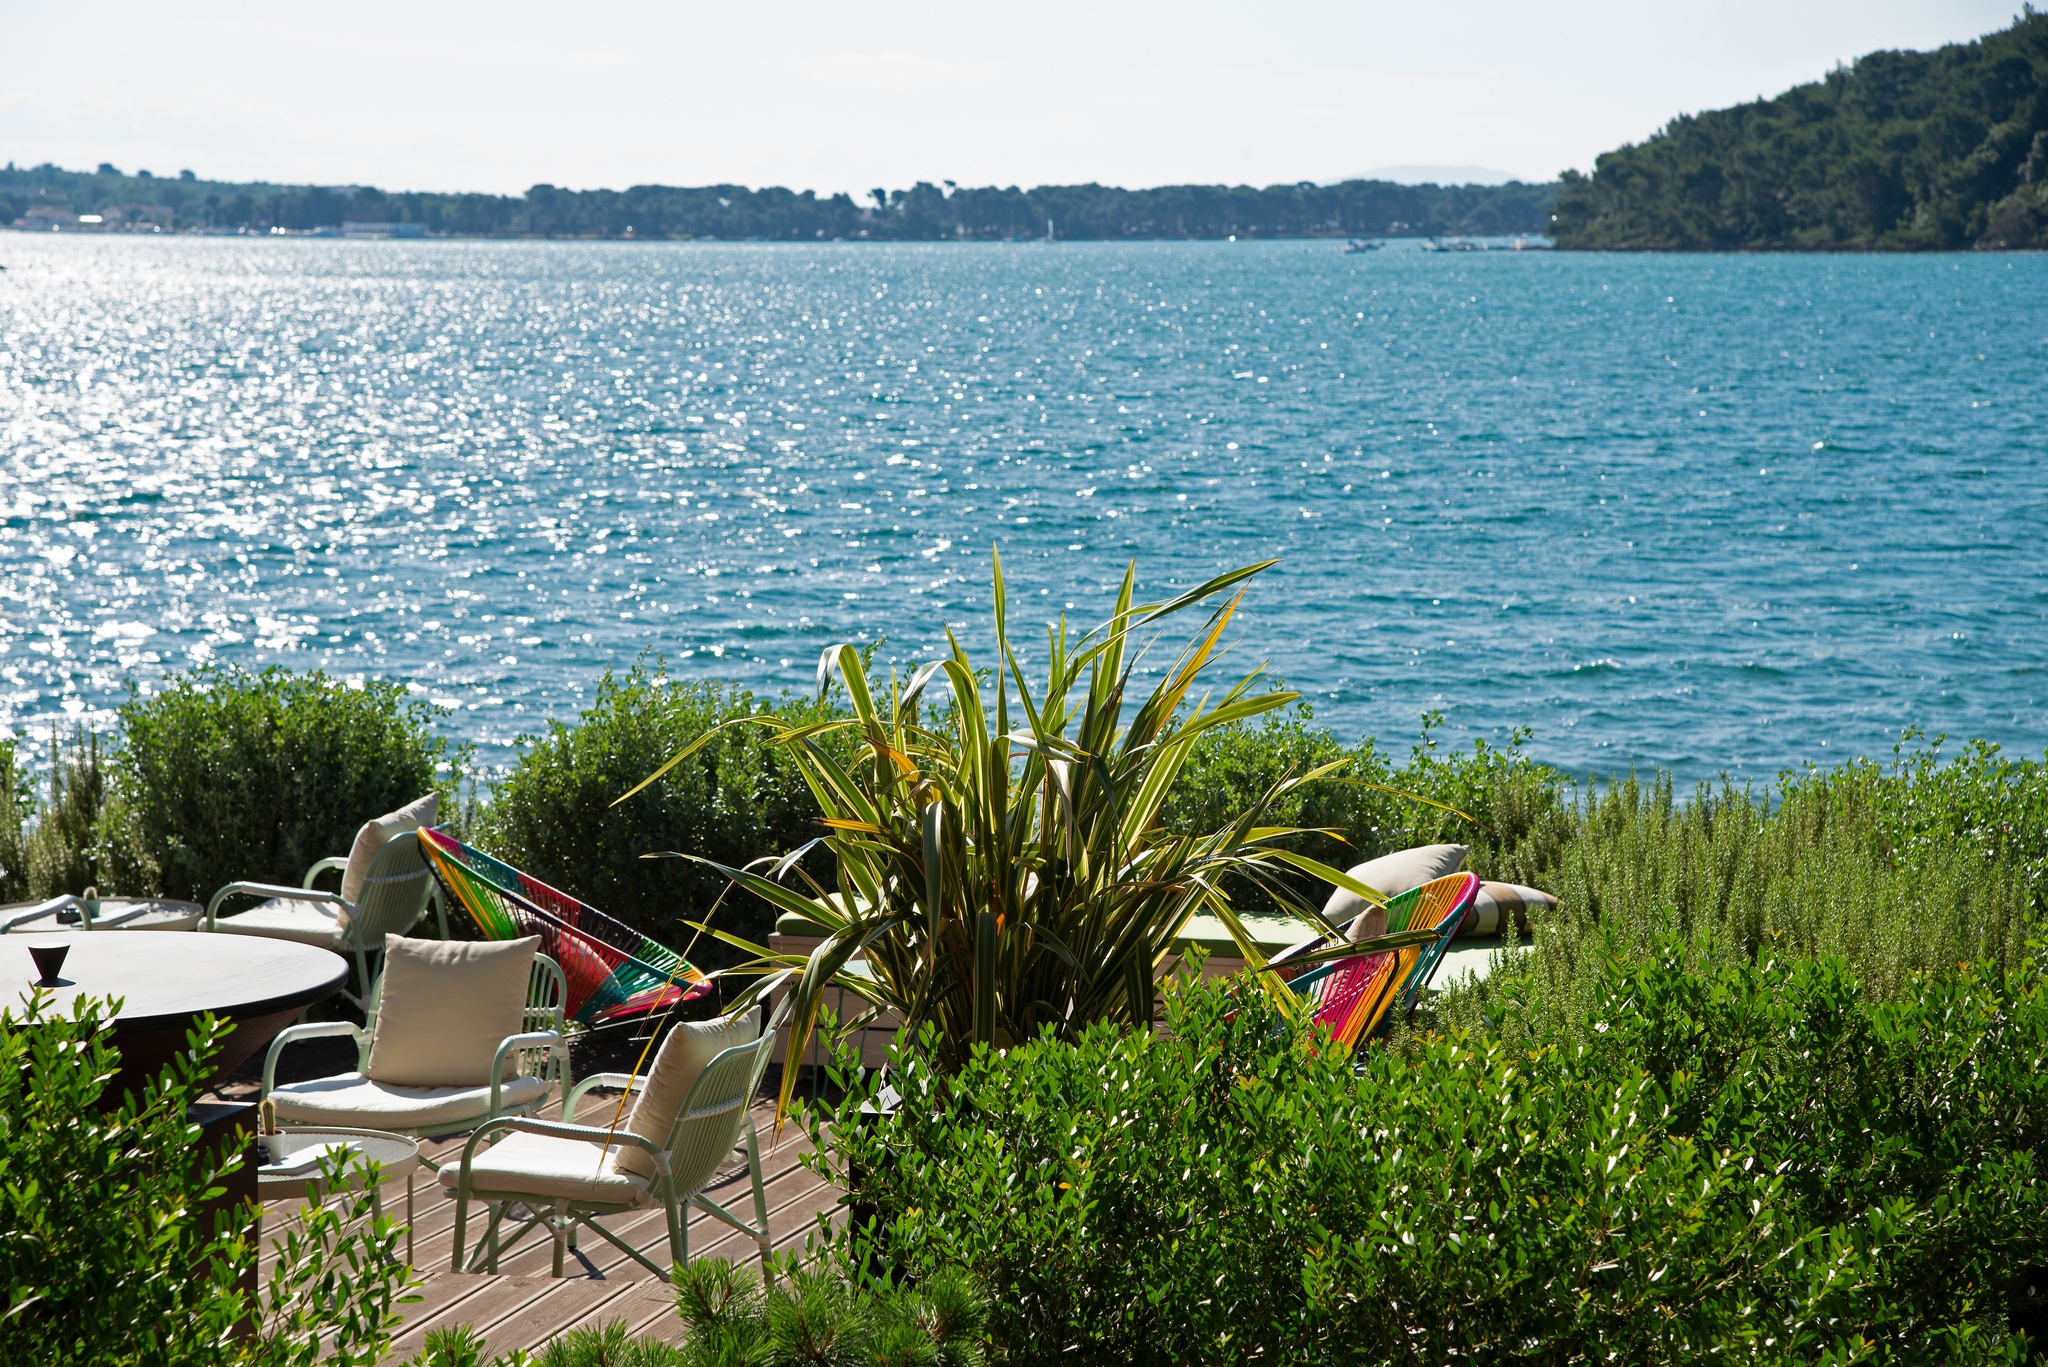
[377, 833]
[689, 1046]
[446, 1007]
[1498, 903]
[1390, 875]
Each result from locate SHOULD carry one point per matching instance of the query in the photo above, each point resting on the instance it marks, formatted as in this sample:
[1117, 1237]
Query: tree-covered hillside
[1903, 151]
[44, 196]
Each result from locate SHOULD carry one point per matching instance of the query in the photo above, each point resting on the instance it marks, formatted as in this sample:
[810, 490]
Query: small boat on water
[1361, 245]
[1463, 244]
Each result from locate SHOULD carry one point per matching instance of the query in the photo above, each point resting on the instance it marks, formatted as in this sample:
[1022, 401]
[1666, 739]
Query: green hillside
[1904, 151]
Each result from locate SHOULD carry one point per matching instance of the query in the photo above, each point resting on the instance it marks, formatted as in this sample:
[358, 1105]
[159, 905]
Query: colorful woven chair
[1355, 997]
[614, 972]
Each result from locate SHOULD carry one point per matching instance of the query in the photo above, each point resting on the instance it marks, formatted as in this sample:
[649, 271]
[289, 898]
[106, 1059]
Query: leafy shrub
[1750, 1161]
[109, 1255]
[736, 799]
[231, 775]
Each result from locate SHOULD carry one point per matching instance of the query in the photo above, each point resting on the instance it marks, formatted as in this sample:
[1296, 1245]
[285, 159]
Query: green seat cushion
[796, 923]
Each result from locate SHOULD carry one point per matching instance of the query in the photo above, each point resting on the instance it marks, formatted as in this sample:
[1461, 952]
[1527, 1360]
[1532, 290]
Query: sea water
[1716, 513]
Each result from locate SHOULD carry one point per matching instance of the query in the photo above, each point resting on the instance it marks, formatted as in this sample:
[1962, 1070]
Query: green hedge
[733, 801]
[1755, 1163]
[230, 775]
[113, 1255]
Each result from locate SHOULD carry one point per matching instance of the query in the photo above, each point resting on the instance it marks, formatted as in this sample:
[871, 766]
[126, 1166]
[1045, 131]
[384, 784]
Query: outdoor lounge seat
[385, 887]
[465, 1033]
[689, 1113]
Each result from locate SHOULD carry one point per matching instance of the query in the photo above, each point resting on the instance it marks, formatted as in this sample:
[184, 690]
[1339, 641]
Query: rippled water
[1717, 513]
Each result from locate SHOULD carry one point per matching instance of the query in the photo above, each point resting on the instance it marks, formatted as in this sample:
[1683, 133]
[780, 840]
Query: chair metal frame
[395, 895]
[715, 1117]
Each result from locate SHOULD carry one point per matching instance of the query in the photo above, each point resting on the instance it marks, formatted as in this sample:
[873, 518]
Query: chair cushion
[544, 1165]
[1390, 875]
[1497, 902]
[375, 834]
[354, 1101]
[446, 1006]
[689, 1046]
[286, 918]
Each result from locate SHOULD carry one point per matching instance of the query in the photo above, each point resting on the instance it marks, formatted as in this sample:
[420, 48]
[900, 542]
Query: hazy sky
[451, 95]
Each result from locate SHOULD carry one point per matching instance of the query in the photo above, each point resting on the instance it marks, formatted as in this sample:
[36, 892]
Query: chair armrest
[37, 912]
[590, 1134]
[269, 890]
[624, 1082]
[291, 1034]
[533, 1039]
[333, 861]
[594, 1134]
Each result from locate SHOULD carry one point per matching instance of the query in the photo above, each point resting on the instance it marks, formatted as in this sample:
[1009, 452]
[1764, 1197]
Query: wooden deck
[524, 1305]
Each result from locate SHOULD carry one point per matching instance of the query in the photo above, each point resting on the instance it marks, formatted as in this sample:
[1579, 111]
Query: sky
[454, 95]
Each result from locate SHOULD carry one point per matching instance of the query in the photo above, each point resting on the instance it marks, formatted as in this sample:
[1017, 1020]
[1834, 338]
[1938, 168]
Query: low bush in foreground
[811, 1315]
[109, 1252]
[1746, 1163]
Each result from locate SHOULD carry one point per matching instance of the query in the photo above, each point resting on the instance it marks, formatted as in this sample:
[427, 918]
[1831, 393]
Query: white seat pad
[353, 1100]
[287, 918]
[544, 1165]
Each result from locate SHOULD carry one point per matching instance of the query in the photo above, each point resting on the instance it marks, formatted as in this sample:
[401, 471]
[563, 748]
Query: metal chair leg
[678, 1234]
[558, 1225]
[490, 1248]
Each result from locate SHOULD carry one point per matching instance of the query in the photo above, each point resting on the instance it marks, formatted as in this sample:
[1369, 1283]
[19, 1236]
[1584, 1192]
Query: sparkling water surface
[1721, 514]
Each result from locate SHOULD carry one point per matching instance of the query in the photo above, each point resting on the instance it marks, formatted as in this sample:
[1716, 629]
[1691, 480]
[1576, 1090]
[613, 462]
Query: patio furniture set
[471, 1036]
[458, 1036]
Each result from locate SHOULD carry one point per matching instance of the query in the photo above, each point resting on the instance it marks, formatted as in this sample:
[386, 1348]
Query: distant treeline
[46, 195]
[1903, 151]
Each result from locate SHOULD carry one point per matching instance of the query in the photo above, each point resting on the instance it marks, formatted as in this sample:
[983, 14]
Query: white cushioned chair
[689, 1112]
[385, 888]
[459, 1033]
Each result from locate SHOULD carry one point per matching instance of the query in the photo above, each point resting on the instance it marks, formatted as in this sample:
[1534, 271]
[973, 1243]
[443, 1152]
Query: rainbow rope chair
[615, 973]
[1354, 997]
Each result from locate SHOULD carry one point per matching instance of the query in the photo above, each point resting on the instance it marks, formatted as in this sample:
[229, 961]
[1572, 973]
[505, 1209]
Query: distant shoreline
[47, 197]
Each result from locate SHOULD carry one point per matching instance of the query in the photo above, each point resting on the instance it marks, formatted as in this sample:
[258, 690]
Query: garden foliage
[737, 798]
[811, 1315]
[1750, 1163]
[230, 775]
[110, 1254]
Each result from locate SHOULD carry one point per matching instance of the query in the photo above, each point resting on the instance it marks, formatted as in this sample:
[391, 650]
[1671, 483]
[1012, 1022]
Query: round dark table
[164, 981]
